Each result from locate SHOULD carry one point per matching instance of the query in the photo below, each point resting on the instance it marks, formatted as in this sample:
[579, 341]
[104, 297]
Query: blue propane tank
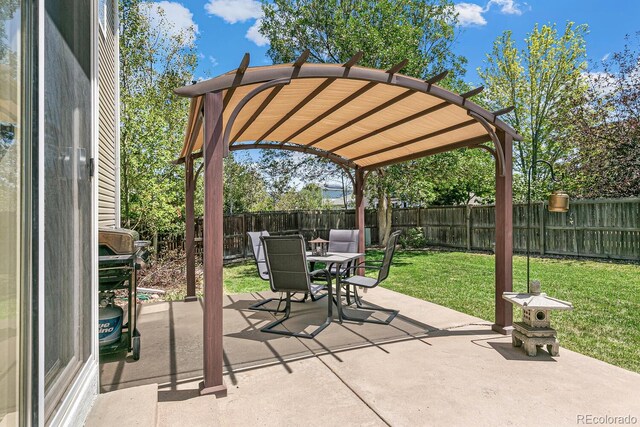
[110, 320]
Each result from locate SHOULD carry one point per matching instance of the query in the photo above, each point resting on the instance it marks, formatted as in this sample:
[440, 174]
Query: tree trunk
[124, 161]
[384, 216]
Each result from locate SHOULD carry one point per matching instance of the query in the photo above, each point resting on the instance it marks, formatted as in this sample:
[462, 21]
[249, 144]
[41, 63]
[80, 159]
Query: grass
[604, 324]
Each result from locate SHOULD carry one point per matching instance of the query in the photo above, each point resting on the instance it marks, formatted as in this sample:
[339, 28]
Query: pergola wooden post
[359, 118]
[213, 244]
[359, 193]
[189, 244]
[504, 237]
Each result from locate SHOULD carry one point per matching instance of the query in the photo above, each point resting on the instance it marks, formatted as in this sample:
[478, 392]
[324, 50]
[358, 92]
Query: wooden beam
[302, 58]
[322, 86]
[363, 116]
[504, 238]
[189, 243]
[429, 152]
[392, 125]
[504, 111]
[353, 60]
[416, 140]
[472, 92]
[331, 110]
[213, 245]
[399, 66]
[435, 79]
[499, 154]
[360, 225]
[244, 64]
[299, 148]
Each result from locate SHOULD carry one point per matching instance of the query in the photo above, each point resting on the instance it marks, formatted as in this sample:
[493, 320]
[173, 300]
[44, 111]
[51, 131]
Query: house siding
[108, 168]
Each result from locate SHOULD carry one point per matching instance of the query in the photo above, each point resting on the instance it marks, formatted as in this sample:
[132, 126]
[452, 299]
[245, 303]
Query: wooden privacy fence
[607, 228]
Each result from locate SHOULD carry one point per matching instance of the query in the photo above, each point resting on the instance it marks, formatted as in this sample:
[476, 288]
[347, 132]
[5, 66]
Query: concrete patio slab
[136, 406]
[171, 339]
[432, 366]
[303, 395]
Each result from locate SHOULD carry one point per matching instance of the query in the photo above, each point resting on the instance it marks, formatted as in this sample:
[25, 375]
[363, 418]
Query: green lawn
[605, 323]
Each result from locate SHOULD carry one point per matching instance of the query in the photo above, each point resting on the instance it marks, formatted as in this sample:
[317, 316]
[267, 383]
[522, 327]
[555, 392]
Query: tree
[309, 197]
[244, 188]
[154, 59]
[606, 129]
[544, 82]
[283, 171]
[387, 31]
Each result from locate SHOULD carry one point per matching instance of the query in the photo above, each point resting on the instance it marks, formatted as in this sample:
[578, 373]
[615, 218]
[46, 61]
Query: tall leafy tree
[308, 197]
[543, 80]
[387, 31]
[245, 189]
[606, 128]
[155, 58]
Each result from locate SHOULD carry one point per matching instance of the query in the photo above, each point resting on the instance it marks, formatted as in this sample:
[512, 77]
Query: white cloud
[470, 14]
[254, 35]
[233, 11]
[473, 14]
[178, 17]
[214, 61]
[508, 7]
[605, 57]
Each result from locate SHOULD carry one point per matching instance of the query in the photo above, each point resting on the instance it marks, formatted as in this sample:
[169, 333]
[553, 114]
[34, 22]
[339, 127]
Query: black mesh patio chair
[370, 282]
[343, 241]
[287, 266]
[263, 272]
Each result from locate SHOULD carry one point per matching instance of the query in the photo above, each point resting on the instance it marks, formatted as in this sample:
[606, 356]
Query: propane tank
[110, 319]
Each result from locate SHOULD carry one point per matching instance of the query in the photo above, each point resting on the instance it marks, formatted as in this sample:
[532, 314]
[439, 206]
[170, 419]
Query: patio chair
[343, 241]
[287, 266]
[370, 282]
[263, 272]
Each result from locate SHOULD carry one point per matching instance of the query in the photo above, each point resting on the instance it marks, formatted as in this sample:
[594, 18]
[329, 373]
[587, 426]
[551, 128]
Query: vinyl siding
[108, 193]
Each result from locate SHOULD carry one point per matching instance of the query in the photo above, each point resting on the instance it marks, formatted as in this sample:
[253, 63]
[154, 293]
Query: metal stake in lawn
[558, 202]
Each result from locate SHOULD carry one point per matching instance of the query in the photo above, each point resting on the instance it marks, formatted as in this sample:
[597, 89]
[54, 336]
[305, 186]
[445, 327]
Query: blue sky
[226, 29]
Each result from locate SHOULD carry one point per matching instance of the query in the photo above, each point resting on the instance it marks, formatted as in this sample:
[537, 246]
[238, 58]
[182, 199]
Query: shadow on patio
[432, 366]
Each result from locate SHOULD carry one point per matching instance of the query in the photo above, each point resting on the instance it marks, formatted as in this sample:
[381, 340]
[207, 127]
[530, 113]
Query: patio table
[338, 259]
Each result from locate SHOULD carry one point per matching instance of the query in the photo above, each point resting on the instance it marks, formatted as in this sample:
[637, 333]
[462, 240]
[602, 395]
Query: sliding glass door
[67, 194]
[11, 144]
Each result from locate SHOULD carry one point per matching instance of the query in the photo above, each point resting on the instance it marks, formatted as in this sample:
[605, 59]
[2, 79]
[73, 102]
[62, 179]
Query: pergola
[362, 119]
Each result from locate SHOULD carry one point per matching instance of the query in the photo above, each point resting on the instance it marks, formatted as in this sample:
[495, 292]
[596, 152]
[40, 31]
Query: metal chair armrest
[361, 265]
[319, 273]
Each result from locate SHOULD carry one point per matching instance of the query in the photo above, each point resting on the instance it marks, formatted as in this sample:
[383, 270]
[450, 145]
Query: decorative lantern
[558, 201]
[319, 246]
[535, 329]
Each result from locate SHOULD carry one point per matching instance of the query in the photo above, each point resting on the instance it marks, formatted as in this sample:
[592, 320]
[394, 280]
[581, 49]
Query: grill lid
[117, 241]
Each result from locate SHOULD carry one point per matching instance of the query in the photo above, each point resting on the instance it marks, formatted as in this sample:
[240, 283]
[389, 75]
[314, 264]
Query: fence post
[542, 227]
[244, 235]
[467, 215]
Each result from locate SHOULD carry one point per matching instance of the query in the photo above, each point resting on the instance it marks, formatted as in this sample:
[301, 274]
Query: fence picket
[603, 228]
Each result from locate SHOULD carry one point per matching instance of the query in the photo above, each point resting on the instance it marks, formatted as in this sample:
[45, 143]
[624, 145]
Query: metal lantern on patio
[319, 246]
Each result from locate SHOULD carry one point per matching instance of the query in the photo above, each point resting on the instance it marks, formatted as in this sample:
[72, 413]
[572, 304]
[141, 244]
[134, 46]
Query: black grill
[121, 255]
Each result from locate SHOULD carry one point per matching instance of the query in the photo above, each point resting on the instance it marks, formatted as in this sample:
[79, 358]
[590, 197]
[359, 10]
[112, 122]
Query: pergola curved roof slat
[357, 116]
